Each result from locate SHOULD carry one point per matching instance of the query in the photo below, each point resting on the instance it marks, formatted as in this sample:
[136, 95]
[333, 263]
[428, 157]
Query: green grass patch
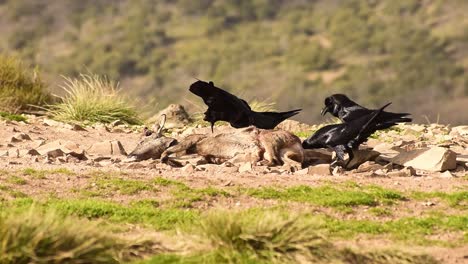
[412, 229]
[41, 174]
[12, 192]
[13, 117]
[454, 199]
[138, 213]
[94, 99]
[123, 186]
[330, 196]
[16, 180]
[378, 211]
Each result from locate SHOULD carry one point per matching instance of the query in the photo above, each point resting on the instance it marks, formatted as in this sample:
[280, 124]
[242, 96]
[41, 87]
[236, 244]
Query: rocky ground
[410, 159]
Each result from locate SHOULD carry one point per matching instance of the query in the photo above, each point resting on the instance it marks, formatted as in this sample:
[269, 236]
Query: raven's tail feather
[269, 120]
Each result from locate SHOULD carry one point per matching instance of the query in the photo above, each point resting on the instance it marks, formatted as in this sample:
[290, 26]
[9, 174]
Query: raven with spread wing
[345, 137]
[224, 106]
[339, 105]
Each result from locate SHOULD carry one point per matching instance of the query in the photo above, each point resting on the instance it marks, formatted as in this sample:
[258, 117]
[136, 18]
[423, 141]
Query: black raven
[339, 105]
[345, 137]
[224, 106]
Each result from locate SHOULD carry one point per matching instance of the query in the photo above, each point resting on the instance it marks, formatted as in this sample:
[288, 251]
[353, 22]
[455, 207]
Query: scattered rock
[337, 171]
[302, 172]
[432, 159]
[189, 168]
[20, 137]
[387, 151]
[459, 131]
[60, 148]
[176, 116]
[133, 166]
[369, 166]
[405, 172]
[107, 148]
[446, 174]
[245, 167]
[37, 143]
[31, 152]
[75, 127]
[361, 156]
[428, 203]
[13, 153]
[320, 169]
[50, 122]
[116, 123]
[14, 140]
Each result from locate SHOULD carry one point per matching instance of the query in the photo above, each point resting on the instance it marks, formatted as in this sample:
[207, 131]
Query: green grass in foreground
[41, 174]
[454, 199]
[330, 196]
[36, 237]
[271, 237]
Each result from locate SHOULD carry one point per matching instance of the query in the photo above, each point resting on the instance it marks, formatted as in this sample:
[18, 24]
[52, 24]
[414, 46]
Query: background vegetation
[412, 52]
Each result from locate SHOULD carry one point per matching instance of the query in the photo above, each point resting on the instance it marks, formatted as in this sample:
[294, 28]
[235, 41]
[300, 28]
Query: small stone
[245, 167]
[320, 169]
[368, 166]
[37, 143]
[117, 123]
[406, 172]
[302, 172]
[337, 171]
[76, 127]
[107, 148]
[13, 153]
[189, 168]
[14, 140]
[50, 122]
[428, 203]
[134, 166]
[361, 156]
[446, 174]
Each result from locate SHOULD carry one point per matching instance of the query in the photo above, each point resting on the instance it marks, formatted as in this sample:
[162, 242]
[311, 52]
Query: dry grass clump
[277, 238]
[94, 99]
[37, 237]
[20, 88]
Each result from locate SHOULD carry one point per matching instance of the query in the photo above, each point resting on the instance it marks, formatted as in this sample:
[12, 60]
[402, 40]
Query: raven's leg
[350, 156]
[340, 151]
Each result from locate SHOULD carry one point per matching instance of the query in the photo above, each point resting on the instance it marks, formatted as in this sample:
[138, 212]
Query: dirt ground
[219, 176]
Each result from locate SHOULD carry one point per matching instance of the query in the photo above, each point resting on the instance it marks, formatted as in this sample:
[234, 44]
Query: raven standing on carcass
[224, 106]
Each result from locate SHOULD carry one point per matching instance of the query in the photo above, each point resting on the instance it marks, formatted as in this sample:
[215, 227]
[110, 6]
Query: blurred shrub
[20, 88]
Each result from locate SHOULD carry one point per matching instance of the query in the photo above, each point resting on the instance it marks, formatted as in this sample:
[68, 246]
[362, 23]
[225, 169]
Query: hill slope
[413, 53]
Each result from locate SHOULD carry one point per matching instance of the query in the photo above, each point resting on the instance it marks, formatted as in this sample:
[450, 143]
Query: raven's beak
[324, 110]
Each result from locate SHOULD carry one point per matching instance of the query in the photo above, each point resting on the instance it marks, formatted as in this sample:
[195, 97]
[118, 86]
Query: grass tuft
[36, 237]
[272, 237]
[94, 99]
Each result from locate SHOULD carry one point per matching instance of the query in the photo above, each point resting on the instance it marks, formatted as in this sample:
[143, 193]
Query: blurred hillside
[293, 52]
